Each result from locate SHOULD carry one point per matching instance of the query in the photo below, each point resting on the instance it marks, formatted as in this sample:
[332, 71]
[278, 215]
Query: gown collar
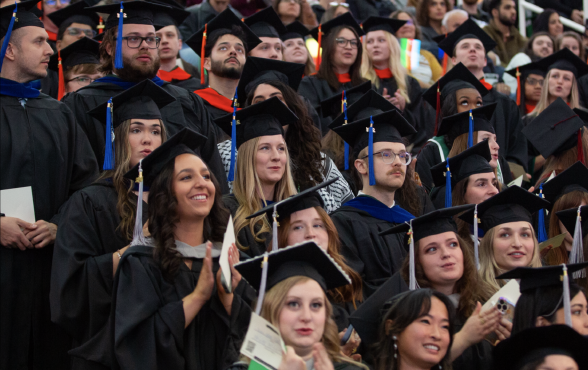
[17, 89]
[215, 99]
[343, 78]
[177, 74]
[113, 79]
[377, 209]
[383, 73]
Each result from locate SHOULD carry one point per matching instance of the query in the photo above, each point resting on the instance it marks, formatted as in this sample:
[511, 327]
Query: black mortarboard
[568, 219]
[468, 30]
[342, 20]
[564, 60]
[75, 13]
[185, 141]
[471, 161]
[583, 114]
[266, 23]
[532, 278]
[83, 51]
[382, 24]
[261, 70]
[333, 105]
[304, 259]
[295, 30]
[136, 12]
[16, 16]
[174, 16]
[574, 178]
[512, 205]
[555, 130]
[534, 344]
[459, 123]
[522, 72]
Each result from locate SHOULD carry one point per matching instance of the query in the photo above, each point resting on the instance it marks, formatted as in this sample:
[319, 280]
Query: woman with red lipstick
[96, 224]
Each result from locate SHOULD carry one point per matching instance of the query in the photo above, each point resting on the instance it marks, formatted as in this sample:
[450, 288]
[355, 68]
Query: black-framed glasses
[534, 81]
[82, 80]
[134, 42]
[344, 42]
[389, 157]
[74, 31]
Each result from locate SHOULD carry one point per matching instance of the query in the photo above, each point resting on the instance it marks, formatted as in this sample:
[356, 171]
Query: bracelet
[118, 253]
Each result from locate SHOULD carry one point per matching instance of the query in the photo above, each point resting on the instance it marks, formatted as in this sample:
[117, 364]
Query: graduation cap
[324, 29]
[226, 20]
[83, 51]
[382, 24]
[555, 130]
[266, 23]
[433, 223]
[564, 60]
[468, 30]
[75, 13]
[459, 77]
[574, 178]
[16, 16]
[334, 105]
[532, 278]
[262, 70]
[576, 222]
[512, 205]
[261, 119]
[583, 114]
[295, 30]
[174, 16]
[523, 72]
[143, 101]
[467, 122]
[534, 344]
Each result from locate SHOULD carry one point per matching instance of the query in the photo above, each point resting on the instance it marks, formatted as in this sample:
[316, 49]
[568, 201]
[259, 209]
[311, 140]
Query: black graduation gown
[583, 90]
[478, 356]
[40, 146]
[187, 111]
[82, 276]
[414, 93]
[190, 84]
[148, 318]
[245, 237]
[50, 84]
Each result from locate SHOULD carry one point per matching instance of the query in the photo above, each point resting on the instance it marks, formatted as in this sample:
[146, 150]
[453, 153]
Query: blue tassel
[7, 36]
[233, 140]
[346, 145]
[448, 200]
[109, 148]
[542, 233]
[118, 57]
[346, 157]
[371, 153]
[471, 131]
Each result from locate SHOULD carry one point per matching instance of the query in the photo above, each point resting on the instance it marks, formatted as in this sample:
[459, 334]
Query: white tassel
[275, 229]
[264, 267]
[476, 240]
[566, 297]
[577, 253]
[138, 236]
[412, 285]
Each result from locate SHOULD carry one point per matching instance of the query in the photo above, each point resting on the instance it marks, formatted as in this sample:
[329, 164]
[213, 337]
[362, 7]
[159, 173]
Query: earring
[440, 367]
[394, 338]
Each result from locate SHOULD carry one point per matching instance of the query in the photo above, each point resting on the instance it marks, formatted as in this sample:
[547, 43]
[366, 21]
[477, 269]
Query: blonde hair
[573, 98]
[248, 191]
[398, 71]
[489, 268]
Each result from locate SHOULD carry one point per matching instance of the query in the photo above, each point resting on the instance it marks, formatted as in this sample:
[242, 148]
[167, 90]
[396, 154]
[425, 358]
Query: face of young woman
[442, 259]
[558, 362]
[468, 99]
[481, 187]
[533, 87]
[437, 10]
[570, 43]
[295, 51]
[303, 317]
[555, 27]
[270, 159]
[424, 342]
[513, 245]
[494, 147]
[144, 137]
[560, 83]
[308, 225]
[264, 92]
[345, 56]
[542, 46]
[408, 31]
[579, 314]
[193, 187]
[289, 9]
[377, 46]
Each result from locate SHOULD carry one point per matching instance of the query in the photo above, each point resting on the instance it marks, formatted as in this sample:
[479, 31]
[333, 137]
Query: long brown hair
[107, 60]
[423, 11]
[348, 293]
[564, 160]
[327, 70]
[163, 218]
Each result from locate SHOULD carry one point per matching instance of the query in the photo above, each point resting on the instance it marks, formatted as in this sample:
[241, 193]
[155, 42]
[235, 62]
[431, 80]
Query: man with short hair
[41, 147]
[453, 19]
[474, 9]
[267, 25]
[503, 31]
[202, 13]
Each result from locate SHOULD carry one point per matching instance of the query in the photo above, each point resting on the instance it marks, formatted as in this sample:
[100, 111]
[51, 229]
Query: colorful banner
[410, 51]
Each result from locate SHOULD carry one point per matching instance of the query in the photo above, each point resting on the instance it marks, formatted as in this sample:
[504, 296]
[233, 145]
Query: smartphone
[347, 335]
[507, 309]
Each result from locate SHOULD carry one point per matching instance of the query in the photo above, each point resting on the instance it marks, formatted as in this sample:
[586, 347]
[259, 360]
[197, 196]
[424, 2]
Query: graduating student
[295, 49]
[129, 58]
[263, 173]
[97, 224]
[267, 25]
[531, 78]
[169, 309]
[340, 62]
[41, 146]
[469, 44]
[575, 220]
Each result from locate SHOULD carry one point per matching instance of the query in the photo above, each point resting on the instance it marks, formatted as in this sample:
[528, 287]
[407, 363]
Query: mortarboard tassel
[138, 236]
[445, 58]
[518, 87]
[412, 284]
[264, 267]
[7, 36]
[320, 40]
[61, 89]
[233, 140]
[541, 233]
[566, 296]
[577, 253]
[100, 26]
[275, 228]
[476, 239]
[447, 174]
[109, 139]
[437, 109]
[371, 153]
[118, 57]
[202, 53]
[346, 145]
[471, 131]
[580, 148]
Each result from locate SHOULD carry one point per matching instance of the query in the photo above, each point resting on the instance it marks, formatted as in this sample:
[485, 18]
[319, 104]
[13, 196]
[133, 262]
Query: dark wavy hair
[303, 139]
[163, 217]
[541, 23]
[327, 70]
[217, 34]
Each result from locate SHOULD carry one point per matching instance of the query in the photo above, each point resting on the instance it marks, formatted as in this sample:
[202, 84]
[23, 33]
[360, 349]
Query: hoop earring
[394, 338]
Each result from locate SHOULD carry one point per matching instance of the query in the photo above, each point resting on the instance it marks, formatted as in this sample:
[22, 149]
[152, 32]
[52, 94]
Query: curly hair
[303, 139]
[163, 217]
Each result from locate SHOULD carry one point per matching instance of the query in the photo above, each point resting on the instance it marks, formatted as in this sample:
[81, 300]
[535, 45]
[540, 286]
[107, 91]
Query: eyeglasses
[533, 81]
[343, 42]
[134, 42]
[82, 80]
[73, 31]
[293, 1]
[335, 4]
[389, 157]
[54, 2]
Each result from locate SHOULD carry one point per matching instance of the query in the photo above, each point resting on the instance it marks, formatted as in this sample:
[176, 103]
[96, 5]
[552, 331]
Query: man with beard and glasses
[389, 195]
[225, 50]
[503, 31]
[138, 47]
[43, 148]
